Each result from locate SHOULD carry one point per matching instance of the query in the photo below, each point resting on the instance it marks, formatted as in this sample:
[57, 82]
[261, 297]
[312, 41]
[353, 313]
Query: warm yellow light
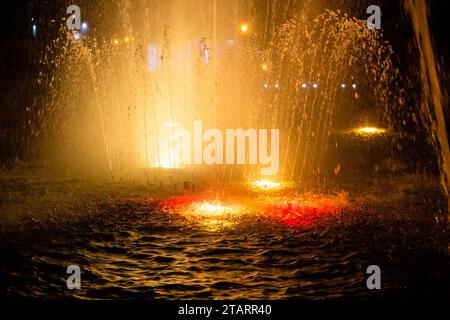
[116, 42]
[265, 67]
[214, 216]
[369, 131]
[212, 209]
[166, 166]
[127, 39]
[244, 28]
[266, 184]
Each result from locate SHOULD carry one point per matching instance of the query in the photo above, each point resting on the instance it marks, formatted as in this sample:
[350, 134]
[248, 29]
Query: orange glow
[369, 131]
[299, 211]
[212, 209]
[245, 28]
[211, 215]
[198, 206]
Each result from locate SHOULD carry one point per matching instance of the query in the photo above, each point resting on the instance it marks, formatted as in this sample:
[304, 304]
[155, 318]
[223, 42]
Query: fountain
[115, 191]
[432, 99]
[113, 97]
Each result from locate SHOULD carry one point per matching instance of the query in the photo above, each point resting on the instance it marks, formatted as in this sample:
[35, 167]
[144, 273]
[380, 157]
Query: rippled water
[128, 248]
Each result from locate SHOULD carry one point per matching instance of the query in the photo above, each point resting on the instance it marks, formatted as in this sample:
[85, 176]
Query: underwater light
[266, 185]
[212, 209]
[369, 131]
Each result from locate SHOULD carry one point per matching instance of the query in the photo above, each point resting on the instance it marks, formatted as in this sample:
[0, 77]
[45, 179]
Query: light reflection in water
[300, 211]
[266, 185]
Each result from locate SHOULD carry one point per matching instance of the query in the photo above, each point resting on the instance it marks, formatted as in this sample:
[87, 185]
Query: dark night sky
[16, 19]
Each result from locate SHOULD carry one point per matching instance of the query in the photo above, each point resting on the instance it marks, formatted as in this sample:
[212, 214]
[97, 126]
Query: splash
[307, 210]
[432, 98]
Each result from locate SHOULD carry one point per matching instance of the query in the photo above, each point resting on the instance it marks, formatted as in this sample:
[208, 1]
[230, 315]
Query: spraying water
[432, 98]
[112, 99]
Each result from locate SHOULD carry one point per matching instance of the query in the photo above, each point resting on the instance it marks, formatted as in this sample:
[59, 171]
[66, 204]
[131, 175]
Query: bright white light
[315, 85]
[244, 28]
[266, 184]
[304, 85]
[369, 131]
[153, 58]
[166, 166]
[84, 27]
[34, 28]
[206, 55]
[343, 86]
[171, 124]
[277, 85]
[265, 86]
[212, 209]
[354, 86]
[76, 36]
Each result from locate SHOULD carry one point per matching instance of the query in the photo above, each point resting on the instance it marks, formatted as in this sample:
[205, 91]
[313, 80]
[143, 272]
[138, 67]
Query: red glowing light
[304, 214]
[294, 211]
[179, 203]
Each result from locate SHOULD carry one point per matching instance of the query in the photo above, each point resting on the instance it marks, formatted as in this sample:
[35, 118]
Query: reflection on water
[249, 245]
[287, 208]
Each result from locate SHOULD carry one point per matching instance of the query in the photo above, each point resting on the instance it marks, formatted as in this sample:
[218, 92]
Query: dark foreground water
[128, 248]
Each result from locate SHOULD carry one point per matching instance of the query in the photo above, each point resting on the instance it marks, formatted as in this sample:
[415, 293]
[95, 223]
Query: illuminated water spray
[112, 98]
[432, 98]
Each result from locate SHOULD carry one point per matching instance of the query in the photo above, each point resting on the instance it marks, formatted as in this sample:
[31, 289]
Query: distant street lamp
[245, 28]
